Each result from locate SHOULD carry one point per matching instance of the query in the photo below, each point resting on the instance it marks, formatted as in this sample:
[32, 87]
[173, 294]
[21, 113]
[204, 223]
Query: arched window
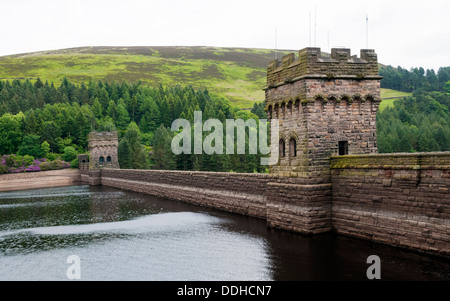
[297, 106]
[108, 159]
[281, 149]
[292, 148]
[102, 159]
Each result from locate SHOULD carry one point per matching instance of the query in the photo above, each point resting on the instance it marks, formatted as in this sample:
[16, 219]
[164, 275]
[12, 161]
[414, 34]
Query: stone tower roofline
[102, 135]
[311, 64]
[95, 137]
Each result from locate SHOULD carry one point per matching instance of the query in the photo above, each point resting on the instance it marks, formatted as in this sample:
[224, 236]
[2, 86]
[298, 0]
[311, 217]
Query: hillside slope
[237, 74]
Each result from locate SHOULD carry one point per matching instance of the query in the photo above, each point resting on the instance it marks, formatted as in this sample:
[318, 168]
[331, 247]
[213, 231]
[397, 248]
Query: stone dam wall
[397, 199]
[287, 203]
[239, 193]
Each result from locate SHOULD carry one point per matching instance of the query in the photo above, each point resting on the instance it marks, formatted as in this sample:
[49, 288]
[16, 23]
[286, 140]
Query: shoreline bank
[42, 179]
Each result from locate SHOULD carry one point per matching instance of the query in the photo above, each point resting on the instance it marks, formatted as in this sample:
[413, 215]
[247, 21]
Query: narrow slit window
[343, 148]
[292, 148]
[281, 147]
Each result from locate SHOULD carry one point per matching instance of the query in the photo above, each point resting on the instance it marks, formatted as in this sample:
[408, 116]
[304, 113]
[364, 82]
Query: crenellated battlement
[310, 63]
[103, 136]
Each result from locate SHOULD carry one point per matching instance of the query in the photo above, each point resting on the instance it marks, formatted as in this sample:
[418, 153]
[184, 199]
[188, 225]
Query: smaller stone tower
[83, 162]
[103, 150]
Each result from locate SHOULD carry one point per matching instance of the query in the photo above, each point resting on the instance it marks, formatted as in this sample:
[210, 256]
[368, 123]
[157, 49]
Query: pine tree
[133, 135]
[151, 116]
[163, 157]
[51, 133]
[139, 157]
[133, 106]
[165, 114]
[81, 129]
[38, 84]
[122, 118]
[146, 125]
[45, 147]
[97, 108]
[112, 109]
[103, 97]
[124, 155]
[126, 98]
[30, 124]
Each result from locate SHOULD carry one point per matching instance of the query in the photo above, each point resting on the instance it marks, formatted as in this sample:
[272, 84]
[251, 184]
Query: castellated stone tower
[326, 106]
[103, 150]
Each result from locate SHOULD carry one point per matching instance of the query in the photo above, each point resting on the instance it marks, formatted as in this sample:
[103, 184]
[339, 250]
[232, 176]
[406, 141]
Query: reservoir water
[121, 235]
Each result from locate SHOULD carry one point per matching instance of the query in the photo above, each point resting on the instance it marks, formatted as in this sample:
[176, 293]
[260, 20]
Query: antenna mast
[315, 24]
[328, 40]
[367, 31]
[276, 54]
[309, 28]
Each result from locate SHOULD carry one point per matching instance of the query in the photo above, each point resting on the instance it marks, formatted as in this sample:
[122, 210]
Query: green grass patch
[388, 97]
[388, 93]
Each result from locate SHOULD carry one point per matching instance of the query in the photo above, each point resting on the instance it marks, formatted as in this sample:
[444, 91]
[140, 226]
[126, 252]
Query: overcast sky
[407, 33]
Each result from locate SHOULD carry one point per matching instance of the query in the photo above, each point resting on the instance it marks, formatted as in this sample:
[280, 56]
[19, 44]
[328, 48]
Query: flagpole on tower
[276, 54]
[328, 41]
[309, 28]
[315, 24]
[367, 31]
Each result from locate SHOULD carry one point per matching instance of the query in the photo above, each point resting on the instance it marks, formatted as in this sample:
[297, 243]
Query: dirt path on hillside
[42, 179]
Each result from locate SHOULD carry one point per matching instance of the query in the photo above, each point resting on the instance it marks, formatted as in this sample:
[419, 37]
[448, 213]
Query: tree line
[40, 119]
[401, 79]
[419, 123]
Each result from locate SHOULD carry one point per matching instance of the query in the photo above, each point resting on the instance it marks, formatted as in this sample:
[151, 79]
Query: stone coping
[430, 160]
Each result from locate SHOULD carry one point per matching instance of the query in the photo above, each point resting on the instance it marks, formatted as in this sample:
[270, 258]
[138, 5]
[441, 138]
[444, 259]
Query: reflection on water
[121, 235]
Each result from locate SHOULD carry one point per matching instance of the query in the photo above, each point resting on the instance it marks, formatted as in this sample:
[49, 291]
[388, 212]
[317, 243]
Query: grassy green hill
[238, 74]
[235, 73]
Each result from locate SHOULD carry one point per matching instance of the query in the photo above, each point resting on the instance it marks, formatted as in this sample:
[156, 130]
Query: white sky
[406, 33]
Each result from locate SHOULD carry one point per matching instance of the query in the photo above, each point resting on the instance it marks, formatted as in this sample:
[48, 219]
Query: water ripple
[153, 222]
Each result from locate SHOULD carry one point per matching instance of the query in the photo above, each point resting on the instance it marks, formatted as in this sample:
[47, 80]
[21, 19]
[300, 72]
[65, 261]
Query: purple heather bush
[17, 169]
[16, 164]
[37, 162]
[32, 168]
